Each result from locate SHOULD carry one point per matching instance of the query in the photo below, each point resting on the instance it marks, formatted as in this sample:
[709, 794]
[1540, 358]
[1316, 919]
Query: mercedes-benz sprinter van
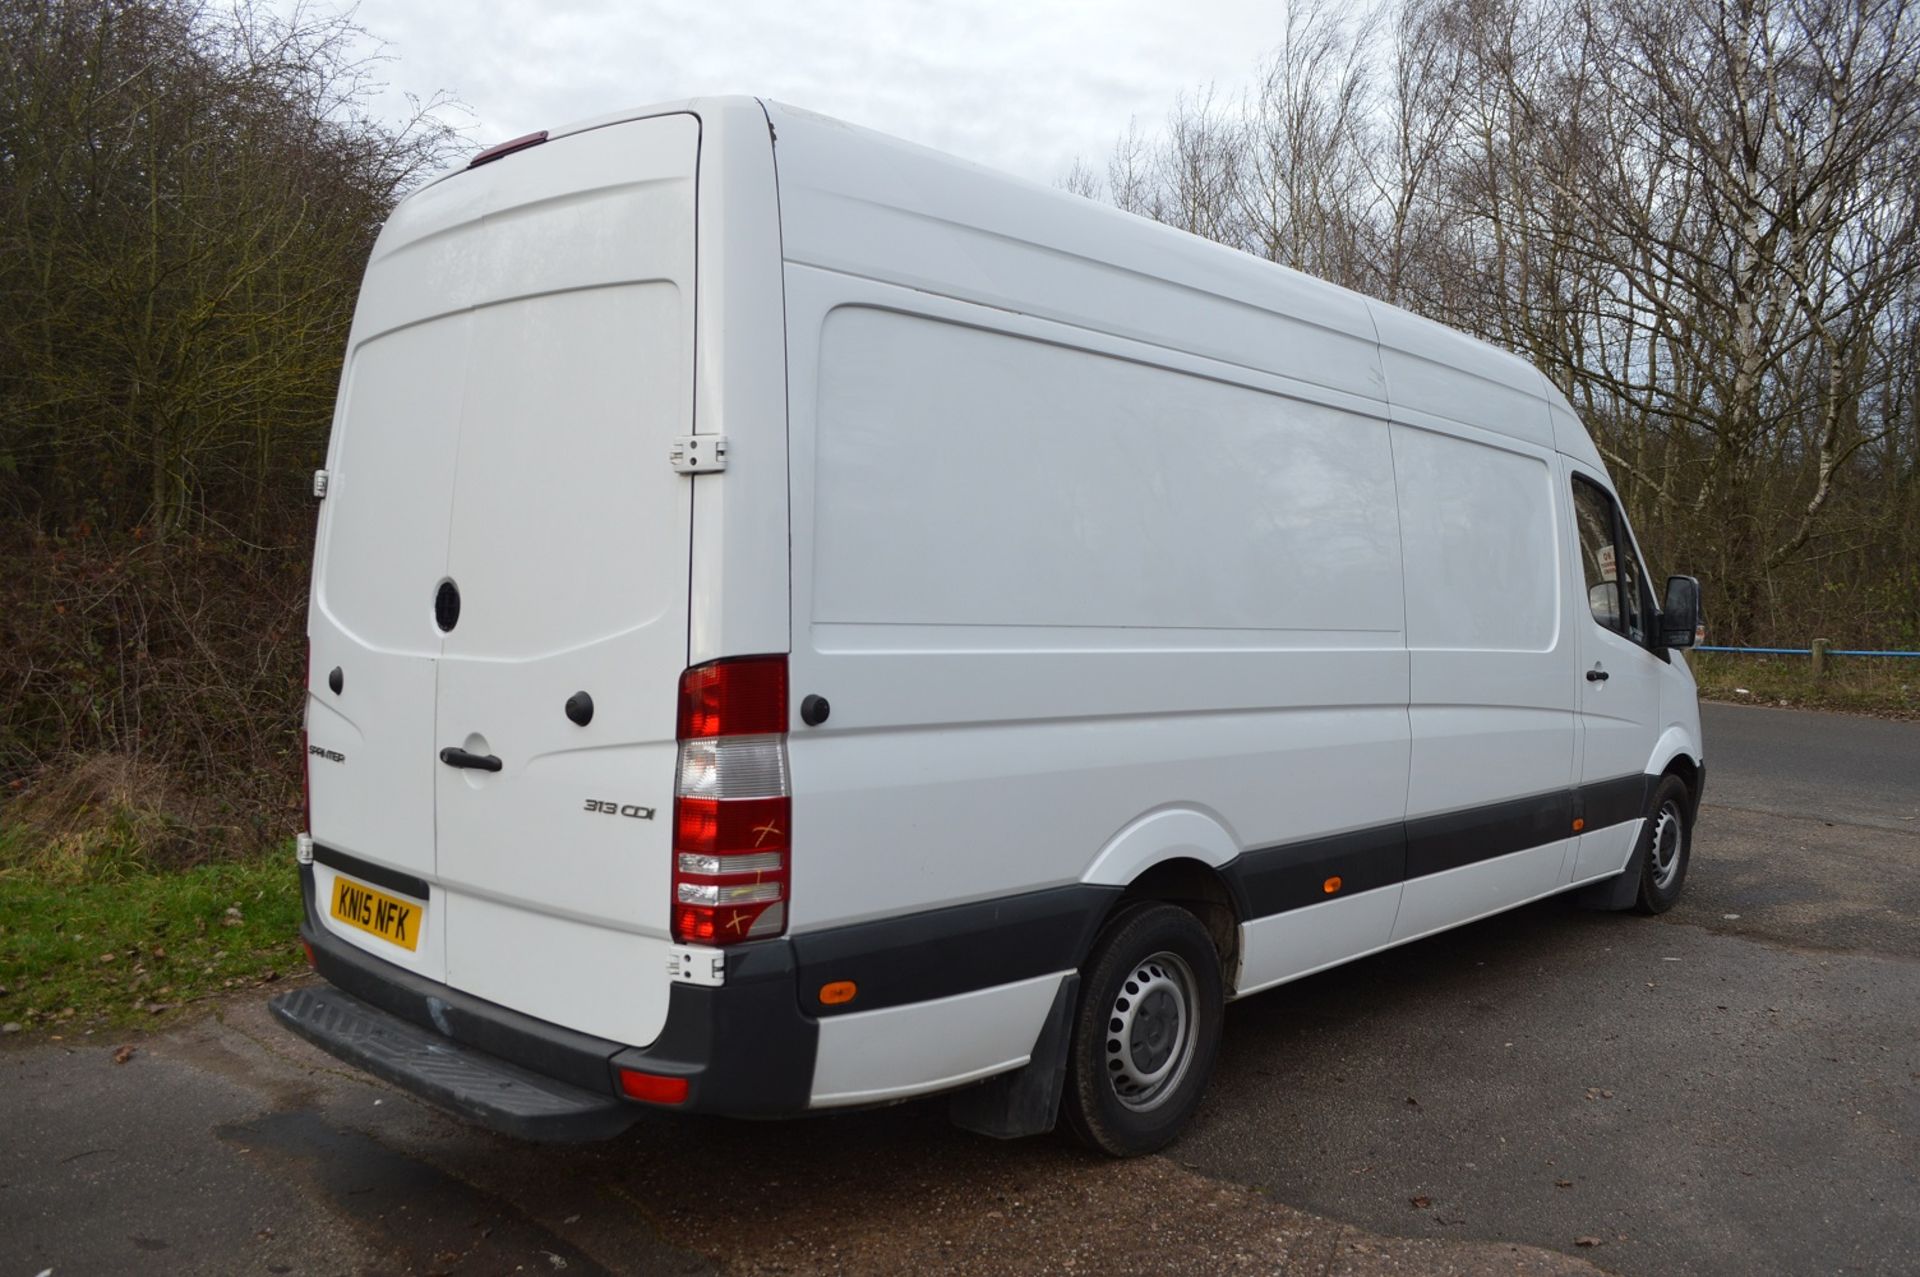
[800, 621]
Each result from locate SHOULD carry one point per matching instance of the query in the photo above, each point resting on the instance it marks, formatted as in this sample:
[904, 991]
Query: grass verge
[1884, 687]
[137, 946]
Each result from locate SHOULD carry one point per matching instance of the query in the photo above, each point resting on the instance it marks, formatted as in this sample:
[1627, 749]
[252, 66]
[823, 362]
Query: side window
[1617, 589]
[1593, 515]
[1633, 587]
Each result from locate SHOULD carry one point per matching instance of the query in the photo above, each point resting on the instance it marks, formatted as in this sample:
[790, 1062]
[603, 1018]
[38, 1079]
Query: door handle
[1594, 675]
[454, 756]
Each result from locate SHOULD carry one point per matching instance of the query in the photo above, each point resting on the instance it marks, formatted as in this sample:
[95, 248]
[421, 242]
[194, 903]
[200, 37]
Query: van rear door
[381, 548]
[568, 542]
[522, 358]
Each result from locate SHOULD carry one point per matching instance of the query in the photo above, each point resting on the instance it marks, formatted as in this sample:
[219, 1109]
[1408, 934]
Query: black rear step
[476, 1085]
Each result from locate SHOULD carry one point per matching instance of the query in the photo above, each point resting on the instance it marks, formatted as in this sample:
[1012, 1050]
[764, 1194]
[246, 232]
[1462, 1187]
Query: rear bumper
[478, 1086]
[744, 1048]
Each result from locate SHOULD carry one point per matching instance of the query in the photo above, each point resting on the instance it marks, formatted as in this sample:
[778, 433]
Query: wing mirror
[1680, 618]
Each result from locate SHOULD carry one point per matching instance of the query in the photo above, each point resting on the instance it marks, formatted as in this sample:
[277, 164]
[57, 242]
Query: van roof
[849, 164]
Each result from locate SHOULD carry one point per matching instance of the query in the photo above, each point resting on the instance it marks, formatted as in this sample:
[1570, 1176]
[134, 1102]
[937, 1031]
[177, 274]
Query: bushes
[151, 692]
[188, 194]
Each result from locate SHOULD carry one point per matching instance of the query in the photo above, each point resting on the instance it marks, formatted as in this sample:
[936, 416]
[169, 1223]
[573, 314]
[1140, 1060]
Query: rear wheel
[1145, 1033]
[1668, 838]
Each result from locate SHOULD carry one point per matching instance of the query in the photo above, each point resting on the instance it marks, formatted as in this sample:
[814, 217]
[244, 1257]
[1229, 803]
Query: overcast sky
[1020, 86]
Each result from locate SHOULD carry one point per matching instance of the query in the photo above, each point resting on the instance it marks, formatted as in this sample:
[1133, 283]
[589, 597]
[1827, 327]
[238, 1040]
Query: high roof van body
[800, 621]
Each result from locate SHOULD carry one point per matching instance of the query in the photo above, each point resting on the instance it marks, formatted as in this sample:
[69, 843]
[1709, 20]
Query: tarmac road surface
[1732, 1088]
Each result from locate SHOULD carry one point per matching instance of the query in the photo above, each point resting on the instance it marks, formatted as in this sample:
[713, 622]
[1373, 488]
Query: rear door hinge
[699, 454]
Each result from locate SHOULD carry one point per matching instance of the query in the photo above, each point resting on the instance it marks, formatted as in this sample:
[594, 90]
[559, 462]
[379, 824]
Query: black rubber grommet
[814, 710]
[580, 708]
[336, 680]
[446, 606]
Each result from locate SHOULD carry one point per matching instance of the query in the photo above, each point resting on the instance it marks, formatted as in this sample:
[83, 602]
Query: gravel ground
[1731, 1089]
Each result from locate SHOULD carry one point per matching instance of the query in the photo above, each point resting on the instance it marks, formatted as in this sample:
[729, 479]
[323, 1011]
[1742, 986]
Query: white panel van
[799, 622]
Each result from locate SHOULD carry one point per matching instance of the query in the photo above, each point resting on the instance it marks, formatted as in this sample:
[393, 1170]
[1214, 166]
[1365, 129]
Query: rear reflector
[507, 148]
[732, 805]
[652, 1087]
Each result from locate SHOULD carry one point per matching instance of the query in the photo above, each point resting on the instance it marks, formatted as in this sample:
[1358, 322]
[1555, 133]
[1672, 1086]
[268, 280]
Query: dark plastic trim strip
[1436, 844]
[1273, 880]
[1270, 880]
[379, 875]
[941, 952]
[1614, 802]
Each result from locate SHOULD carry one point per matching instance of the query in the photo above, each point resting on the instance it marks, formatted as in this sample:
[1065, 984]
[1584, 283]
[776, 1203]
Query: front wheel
[1145, 1032]
[1669, 844]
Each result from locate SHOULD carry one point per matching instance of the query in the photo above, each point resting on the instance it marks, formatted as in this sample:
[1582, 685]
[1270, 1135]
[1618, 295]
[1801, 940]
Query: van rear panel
[521, 361]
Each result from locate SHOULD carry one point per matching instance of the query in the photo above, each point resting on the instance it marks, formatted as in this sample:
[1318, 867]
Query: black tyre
[1667, 839]
[1145, 1032]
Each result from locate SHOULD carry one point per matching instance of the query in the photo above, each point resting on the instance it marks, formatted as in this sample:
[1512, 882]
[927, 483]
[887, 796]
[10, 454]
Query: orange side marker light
[1578, 825]
[1331, 885]
[837, 992]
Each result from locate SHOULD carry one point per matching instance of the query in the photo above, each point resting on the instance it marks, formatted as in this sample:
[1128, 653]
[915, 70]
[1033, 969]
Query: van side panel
[891, 1054]
[973, 478]
[1491, 707]
[1052, 581]
[869, 206]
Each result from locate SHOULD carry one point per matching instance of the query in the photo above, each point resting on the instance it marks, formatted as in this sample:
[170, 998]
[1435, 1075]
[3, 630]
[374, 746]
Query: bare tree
[1698, 216]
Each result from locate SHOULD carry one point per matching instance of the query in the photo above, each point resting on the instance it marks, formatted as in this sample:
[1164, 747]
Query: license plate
[376, 912]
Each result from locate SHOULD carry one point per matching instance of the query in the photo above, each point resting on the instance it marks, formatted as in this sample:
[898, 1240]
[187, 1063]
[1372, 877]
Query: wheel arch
[1678, 754]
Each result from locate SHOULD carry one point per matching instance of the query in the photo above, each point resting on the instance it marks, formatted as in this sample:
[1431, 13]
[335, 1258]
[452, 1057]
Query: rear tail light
[732, 804]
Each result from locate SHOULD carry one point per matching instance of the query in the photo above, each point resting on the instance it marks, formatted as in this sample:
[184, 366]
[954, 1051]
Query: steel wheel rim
[1150, 1032]
[1666, 845]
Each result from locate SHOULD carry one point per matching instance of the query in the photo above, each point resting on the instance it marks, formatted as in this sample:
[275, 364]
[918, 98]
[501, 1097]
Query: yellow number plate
[376, 912]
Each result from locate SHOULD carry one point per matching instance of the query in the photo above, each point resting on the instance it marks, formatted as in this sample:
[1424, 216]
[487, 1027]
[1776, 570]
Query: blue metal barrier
[1803, 651]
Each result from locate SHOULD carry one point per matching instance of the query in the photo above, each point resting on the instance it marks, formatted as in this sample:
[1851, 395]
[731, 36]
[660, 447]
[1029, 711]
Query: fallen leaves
[122, 1054]
[1588, 1241]
[1421, 1202]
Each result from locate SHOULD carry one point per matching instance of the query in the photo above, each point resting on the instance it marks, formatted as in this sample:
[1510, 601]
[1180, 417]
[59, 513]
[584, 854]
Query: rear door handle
[1595, 675]
[454, 756]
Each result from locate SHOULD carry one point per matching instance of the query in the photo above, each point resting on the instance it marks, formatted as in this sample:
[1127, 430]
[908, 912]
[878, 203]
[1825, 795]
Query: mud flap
[1622, 891]
[1027, 1100]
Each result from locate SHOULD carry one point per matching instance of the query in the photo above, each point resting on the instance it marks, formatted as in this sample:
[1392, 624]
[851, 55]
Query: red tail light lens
[732, 807]
[653, 1087]
[730, 868]
[739, 697]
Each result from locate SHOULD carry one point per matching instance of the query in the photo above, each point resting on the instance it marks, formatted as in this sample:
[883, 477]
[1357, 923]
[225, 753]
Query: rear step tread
[489, 1090]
